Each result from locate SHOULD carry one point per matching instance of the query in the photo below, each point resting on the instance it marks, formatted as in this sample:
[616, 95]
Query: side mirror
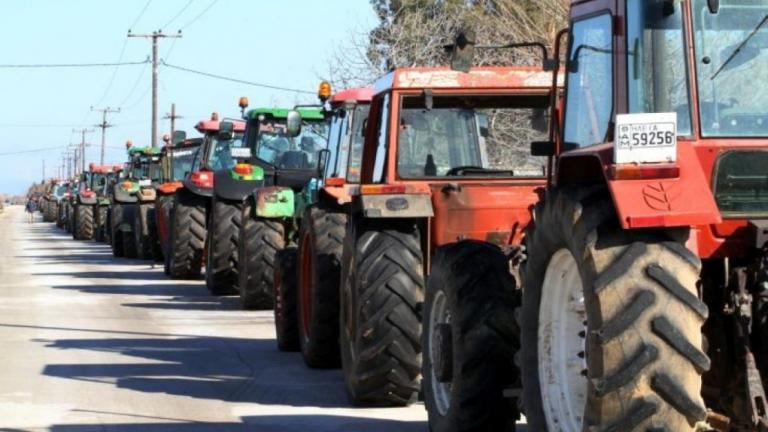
[178, 136]
[714, 6]
[226, 131]
[322, 161]
[462, 52]
[293, 124]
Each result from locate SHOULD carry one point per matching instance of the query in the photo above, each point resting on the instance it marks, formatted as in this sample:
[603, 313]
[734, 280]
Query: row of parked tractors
[497, 239]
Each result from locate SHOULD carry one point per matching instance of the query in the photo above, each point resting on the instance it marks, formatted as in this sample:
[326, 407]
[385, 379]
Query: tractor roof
[362, 94]
[208, 126]
[133, 151]
[189, 142]
[102, 169]
[488, 77]
[282, 113]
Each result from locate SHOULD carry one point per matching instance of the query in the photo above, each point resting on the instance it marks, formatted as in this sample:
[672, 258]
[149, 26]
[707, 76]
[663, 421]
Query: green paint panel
[281, 113]
[275, 203]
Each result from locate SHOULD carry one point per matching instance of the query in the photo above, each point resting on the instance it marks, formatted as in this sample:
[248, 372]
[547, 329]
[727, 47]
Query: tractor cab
[176, 160]
[445, 143]
[222, 143]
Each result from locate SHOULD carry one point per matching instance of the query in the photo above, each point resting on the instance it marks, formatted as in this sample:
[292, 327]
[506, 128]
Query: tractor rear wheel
[154, 241]
[163, 207]
[321, 243]
[381, 292]
[187, 236]
[117, 239]
[100, 219]
[260, 240]
[141, 231]
[129, 236]
[221, 264]
[470, 339]
[70, 218]
[59, 215]
[611, 322]
[84, 222]
[286, 289]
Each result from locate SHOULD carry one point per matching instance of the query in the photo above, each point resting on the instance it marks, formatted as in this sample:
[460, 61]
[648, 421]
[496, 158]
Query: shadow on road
[206, 367]
[287, 423]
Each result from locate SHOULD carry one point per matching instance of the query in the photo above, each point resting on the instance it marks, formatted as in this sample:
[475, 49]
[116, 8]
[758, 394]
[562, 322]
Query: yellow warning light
[243, 102]
[325, 91]
[128, 144]
[215, 116]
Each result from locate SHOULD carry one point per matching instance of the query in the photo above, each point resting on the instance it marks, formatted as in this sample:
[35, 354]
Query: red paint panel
[492, 212]
[683, 201]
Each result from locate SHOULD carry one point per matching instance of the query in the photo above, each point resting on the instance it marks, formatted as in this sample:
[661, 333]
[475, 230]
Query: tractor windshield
[220, 157]
[732, 67]
[472, 136]
[658, 78]
[98, 182]
[346, 143]
[147, 167]
[61, 189]
[298, 153]
[182, 162]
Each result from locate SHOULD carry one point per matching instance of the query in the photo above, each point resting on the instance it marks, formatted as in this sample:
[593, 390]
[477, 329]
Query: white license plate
[145, 182]
[240, 152]
[645, 138]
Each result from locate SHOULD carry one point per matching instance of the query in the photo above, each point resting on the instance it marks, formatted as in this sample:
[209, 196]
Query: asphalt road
[91, 343]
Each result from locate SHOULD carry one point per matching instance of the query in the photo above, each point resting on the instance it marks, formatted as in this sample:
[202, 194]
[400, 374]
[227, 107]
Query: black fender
[197, 190]
[225, 187]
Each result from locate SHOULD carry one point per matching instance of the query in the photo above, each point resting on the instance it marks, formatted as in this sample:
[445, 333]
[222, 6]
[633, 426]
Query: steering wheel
[455, 171]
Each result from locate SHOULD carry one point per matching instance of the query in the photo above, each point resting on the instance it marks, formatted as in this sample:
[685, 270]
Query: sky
[283, 43]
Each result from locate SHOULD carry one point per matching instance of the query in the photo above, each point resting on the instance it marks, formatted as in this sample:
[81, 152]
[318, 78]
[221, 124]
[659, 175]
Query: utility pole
[172, 117]
[83, 144]
[154, 36]
[104, 125]
[43, 170]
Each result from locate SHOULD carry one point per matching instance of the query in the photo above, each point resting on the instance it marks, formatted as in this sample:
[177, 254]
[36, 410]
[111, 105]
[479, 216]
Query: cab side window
[589, 103]
[381, 139]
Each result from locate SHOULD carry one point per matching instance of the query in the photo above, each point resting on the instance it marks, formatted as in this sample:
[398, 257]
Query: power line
[30, 151]
[135, 84]
[69, 65]
[141, 14]
[175, 17]
[200, 15]
[255, 84]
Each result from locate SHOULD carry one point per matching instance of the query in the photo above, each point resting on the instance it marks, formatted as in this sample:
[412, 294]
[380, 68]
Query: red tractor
[446, 157]
[192, 202]
[176, 159]
[645, 281]
[307, 278]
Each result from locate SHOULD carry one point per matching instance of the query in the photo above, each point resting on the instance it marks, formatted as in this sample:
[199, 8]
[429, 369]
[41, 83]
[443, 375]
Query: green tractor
[132, 211]
[88, 203]
[255, 202]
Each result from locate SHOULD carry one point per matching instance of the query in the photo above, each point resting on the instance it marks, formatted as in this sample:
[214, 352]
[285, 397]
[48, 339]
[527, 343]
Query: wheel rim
[305, 284]
[439, 314]
[561, 344]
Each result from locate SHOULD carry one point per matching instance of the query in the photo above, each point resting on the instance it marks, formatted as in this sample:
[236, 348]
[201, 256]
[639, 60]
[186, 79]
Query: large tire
[154, 240]
[100, 219]
[116, 219]
[643, 322]
[221, 264]
[260, 240]
[380, 341]
[84, 224]
[321, 243]
[129, 237]
[187, 236]
[70, 221]
[59, 215]
[141, 232]
[470, 339]
[286, 289]
[163, 207]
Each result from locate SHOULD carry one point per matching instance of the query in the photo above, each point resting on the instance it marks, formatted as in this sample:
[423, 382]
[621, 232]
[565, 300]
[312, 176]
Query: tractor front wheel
[260, 240]
[187, 236]
[381, 291]
[221, 264]
[321, 243]
[286, 289]
[470, 339]
[100, 217]
[84, 224]
[611, 322]
[141, 231]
